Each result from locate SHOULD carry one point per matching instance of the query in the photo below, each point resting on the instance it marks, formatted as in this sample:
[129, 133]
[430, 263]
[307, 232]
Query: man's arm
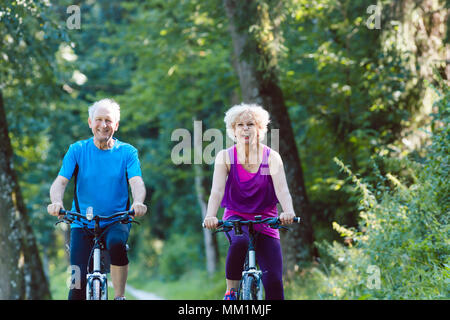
[56, 195]
[138, 192]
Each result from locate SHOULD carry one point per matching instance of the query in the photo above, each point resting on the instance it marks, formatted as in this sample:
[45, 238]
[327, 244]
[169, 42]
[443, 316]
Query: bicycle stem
[97, 259]
[251, 248]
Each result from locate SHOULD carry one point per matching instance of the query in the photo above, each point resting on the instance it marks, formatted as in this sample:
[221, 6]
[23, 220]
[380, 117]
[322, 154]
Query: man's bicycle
[97, 283]
[250, 285]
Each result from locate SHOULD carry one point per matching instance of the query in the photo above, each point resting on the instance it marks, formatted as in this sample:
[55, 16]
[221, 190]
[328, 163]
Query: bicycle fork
[97, 283]
[251, 270]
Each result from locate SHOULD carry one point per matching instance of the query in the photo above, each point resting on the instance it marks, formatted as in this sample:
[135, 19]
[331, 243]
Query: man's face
[104, 124]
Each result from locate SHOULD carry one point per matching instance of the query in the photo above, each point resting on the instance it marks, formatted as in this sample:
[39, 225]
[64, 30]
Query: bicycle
[250, 285]
[97, 282]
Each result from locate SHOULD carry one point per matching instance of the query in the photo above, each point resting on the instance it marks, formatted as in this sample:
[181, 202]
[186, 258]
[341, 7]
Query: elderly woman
[249, 179]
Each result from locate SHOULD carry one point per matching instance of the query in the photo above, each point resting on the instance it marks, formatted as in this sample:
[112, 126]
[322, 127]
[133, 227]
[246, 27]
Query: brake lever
[128, 219]
[223, 229]
[278, 226]
[63, 220]
[274, 225]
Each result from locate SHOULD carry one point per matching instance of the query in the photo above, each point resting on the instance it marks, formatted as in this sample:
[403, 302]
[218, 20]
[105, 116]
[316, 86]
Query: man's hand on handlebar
[139, 209]
[54, 209]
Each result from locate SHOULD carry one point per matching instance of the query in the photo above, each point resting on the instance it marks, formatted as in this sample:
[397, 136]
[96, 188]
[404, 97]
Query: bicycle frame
[97, 275]
[250, 269]
[97, 283]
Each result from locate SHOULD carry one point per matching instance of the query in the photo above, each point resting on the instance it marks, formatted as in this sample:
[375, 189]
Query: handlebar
[272, 222]
[77, 216]
[115, 215]
[269, 221]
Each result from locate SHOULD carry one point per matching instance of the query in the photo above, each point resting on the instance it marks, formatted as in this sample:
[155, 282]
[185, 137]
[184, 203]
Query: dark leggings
[268, 256]
[81, 242]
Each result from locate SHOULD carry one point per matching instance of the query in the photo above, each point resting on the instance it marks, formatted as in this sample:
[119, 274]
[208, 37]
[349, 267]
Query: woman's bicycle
[250, 285]
[97, 283]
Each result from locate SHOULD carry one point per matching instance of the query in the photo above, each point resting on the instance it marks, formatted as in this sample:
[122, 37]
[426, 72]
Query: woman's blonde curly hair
[258, 113]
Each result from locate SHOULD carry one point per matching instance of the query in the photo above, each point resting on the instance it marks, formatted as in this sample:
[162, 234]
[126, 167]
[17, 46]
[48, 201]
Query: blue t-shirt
[102, 176]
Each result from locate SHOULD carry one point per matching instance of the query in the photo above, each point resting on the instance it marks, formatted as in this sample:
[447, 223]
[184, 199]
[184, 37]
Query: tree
[155, 59]
[418, 29]
[21, 272]
[254, 29]
[210, 239]
[29, 41]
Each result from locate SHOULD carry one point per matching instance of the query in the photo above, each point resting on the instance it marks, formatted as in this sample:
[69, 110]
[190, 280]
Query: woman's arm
[281, 187]
[217, 189]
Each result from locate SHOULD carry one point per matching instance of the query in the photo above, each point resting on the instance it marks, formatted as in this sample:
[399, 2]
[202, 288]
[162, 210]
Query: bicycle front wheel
[95, 290]
[250, 288]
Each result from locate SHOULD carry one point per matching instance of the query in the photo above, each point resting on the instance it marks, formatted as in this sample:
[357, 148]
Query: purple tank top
[250, 194]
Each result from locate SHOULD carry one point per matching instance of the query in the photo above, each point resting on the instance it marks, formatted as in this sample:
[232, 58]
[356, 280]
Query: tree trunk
[256, 66]
[21, 272]
[420, 31]
[210, 240]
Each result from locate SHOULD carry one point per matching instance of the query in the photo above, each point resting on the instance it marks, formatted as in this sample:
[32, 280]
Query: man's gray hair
[107, 103]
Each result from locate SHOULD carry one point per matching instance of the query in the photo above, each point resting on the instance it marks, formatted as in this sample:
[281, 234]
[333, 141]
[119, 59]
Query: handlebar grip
[220, 222]
[63, 212]
[131, 213]
[297, 219]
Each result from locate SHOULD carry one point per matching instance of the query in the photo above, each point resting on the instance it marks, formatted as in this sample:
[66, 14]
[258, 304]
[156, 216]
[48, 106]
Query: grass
[194, 285]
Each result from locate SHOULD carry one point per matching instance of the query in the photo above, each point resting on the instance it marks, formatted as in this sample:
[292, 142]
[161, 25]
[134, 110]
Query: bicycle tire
[104, 293]
[96, 289]
[250, 288]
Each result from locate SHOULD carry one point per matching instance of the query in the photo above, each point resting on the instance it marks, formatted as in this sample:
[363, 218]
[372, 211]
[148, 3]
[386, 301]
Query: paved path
[139, 294]
[142, 295]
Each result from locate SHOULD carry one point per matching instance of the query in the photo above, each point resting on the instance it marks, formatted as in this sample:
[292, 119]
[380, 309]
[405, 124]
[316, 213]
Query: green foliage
[403, 232]
[180, 255]
[350, 93]
[30, 82]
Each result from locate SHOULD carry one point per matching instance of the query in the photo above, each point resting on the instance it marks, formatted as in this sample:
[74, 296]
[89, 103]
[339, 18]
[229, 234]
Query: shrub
[180, 255]
[401, 248]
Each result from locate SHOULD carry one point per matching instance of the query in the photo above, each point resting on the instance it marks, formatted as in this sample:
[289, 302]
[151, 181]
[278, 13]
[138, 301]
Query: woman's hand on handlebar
[287, 217]
[210, 222]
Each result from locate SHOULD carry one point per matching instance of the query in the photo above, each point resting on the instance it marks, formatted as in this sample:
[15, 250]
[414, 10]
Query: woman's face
[246, 129]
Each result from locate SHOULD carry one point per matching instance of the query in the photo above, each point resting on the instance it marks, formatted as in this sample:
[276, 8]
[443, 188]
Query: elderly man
[102, 167]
